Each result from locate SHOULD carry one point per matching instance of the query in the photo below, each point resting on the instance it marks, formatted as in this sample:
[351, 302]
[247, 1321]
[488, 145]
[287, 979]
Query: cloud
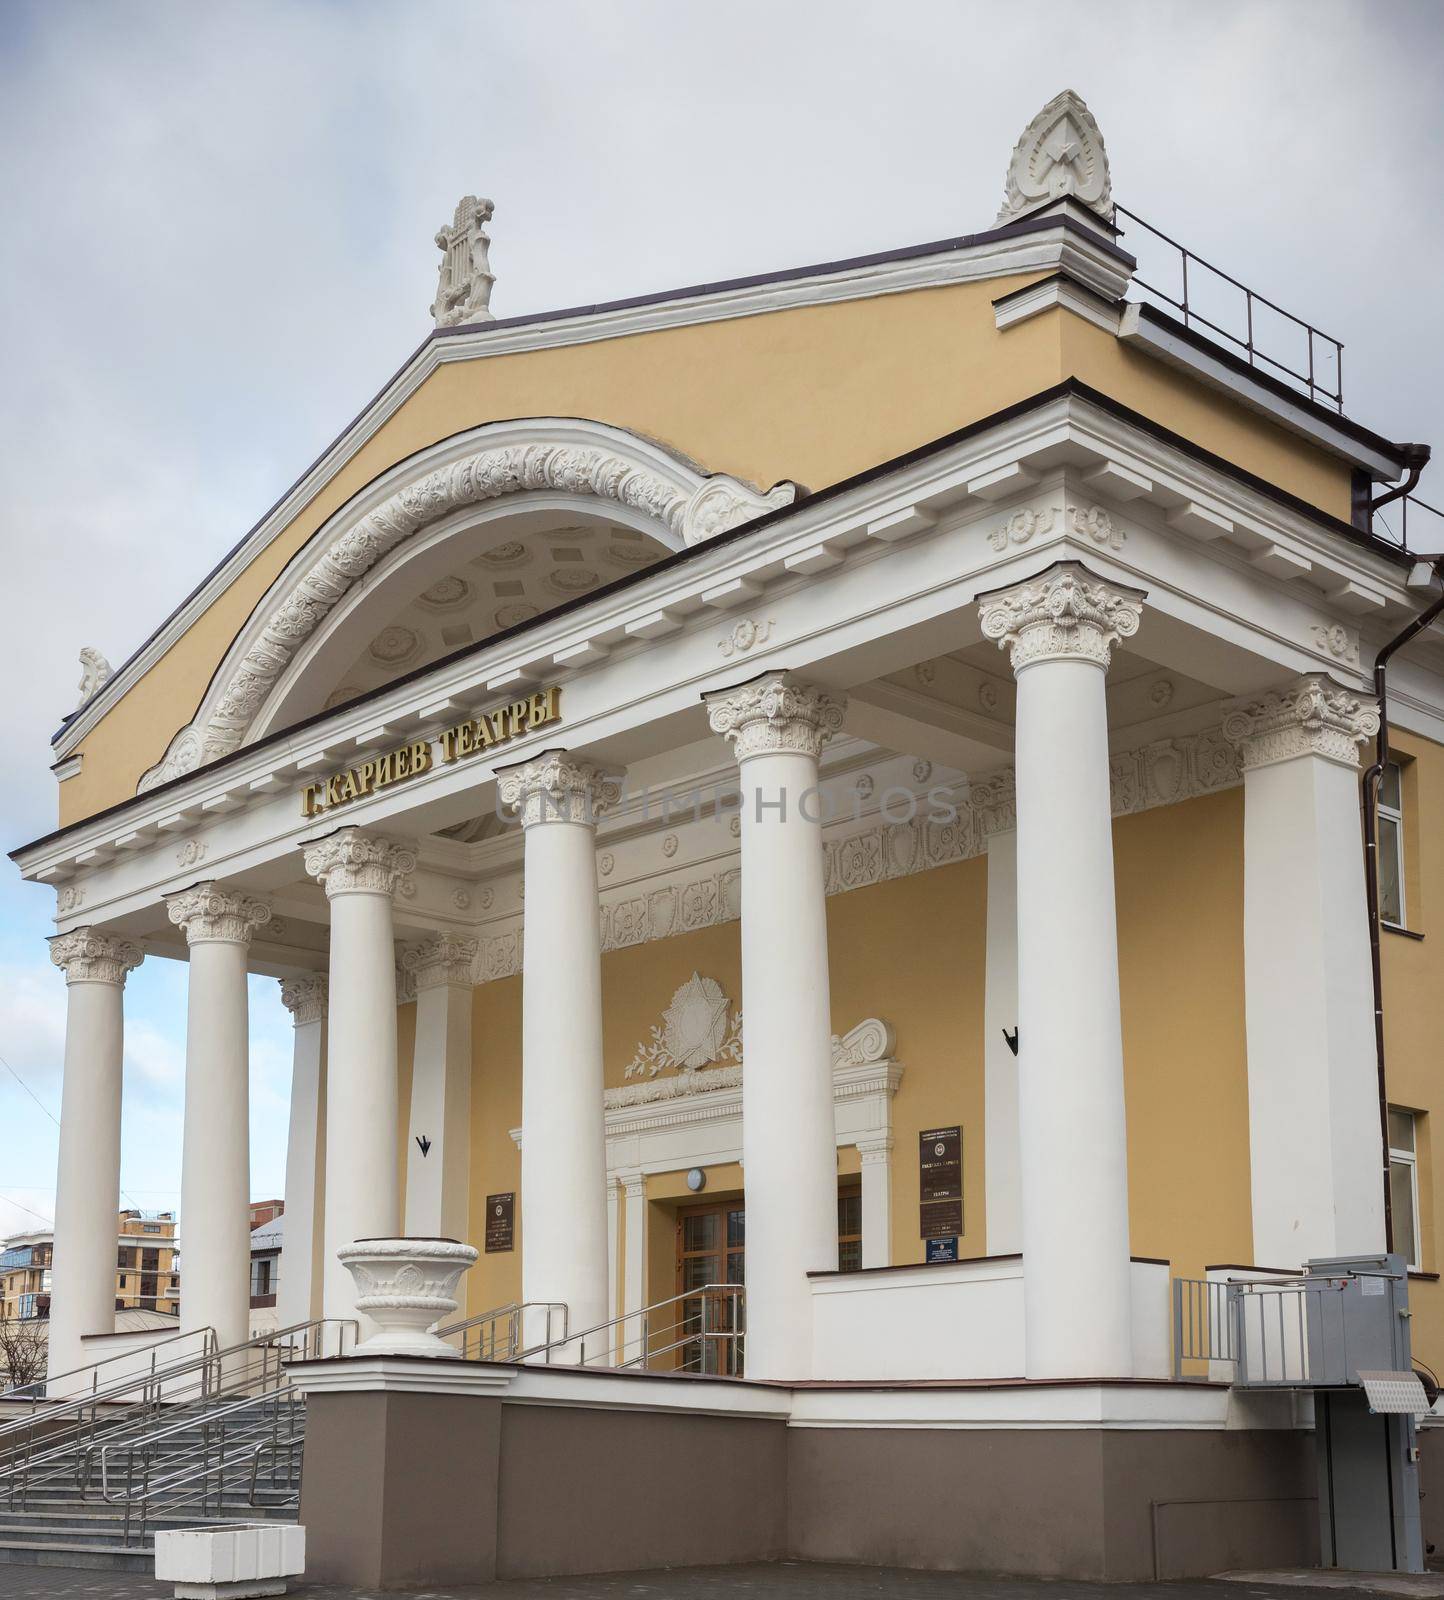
[218, 244]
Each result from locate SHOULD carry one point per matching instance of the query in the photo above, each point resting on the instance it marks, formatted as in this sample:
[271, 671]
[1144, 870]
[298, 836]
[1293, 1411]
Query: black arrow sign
[1012, 1040]
[425, 1143]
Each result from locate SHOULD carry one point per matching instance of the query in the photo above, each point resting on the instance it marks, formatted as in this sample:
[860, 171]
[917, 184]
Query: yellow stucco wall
[1413, 1029]
[913, 951]
[815, 393]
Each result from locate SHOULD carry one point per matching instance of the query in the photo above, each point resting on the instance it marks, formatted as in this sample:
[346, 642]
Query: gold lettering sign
[483, 732]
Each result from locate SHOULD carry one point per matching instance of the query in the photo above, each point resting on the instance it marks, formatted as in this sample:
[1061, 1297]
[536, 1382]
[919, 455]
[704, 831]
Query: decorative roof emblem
[695, 1029]
[1060, 155]
[464, 292]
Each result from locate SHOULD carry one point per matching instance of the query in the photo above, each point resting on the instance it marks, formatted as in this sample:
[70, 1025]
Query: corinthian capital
[1064, 614]
[557, 787]
[775, 715]
[443, 958]
[306, 998]
[352, 862]
[85, 956]
[213, 915]
[1313, 716]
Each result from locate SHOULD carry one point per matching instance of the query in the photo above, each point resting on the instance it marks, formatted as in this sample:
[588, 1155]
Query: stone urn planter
[405, 1286]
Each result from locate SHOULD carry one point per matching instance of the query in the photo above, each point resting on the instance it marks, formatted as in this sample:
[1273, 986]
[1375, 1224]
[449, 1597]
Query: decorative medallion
[395, 646]
[447, 594]
[513, 615]
[573, 580]
[510, 554]
[744, 635]
[695, 1030]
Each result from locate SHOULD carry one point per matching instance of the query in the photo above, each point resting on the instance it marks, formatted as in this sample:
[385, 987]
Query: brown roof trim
[821, 269]
[1069, 388]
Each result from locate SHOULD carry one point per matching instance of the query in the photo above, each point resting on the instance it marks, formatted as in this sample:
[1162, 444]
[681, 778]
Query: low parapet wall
[429, 1472]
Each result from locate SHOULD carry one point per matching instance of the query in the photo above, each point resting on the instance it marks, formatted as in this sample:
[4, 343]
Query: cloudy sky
[217, 244]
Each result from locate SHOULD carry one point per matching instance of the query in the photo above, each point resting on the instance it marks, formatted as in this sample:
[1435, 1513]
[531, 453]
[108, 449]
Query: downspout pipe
[1370, 802]
[1416, 458]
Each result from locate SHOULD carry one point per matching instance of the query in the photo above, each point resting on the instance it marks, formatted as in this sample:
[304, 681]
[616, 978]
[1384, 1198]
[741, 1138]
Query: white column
[360, 873]
[215, 1222]
[1060, 628]
[777, 727]
[1002, 1189]
[563, 1151]
[1316, 1149]
[438, 1144]
[875, 1158]
[299, 1296]
[87, 1188]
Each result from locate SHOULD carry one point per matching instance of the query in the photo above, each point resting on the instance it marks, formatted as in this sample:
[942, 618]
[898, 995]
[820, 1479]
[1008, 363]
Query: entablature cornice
[839, 579]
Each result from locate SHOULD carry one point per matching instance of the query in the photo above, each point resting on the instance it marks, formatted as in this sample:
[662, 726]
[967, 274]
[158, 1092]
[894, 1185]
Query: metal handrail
[1311, 380]
[13, 1393]
[199, 1379]
[172, 1370]
[150, 1489]
[706, 1293]
[513, 1315]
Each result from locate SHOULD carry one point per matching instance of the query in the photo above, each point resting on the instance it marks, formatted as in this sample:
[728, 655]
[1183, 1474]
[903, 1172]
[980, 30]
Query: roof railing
[1262, 328]
[1415, 526]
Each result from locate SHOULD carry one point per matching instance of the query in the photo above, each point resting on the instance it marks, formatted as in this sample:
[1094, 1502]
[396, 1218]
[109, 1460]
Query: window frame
[1395, 814]
[1410, 1159]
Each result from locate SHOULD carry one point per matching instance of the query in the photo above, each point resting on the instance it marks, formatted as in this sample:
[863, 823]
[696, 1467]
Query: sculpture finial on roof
[95, 673]
[1060, 155]
[464, 292]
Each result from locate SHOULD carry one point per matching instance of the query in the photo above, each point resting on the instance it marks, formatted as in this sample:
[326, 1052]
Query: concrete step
[96, 1558]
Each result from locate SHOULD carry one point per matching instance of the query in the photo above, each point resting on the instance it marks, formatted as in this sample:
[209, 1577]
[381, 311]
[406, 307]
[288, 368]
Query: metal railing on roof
[1262, 332]
[1415, 526]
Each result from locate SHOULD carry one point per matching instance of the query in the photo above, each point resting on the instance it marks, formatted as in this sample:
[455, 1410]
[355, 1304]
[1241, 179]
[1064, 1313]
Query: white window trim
[1396, 815]
[1410, 1159]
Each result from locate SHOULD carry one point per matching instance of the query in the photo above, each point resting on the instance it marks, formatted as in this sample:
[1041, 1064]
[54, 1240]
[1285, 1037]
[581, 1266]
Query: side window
[1391, 845]
[1404, 1183]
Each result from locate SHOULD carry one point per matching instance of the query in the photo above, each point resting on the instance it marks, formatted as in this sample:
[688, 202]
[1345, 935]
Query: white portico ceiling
[485, 594]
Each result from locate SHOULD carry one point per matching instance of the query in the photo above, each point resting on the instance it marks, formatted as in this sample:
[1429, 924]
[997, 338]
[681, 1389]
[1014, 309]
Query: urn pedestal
[406, 1286]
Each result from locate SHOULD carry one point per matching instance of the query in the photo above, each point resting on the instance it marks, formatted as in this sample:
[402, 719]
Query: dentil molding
[557, 787]
[212, 915]
[1064, 614]
[775, 715]
[352, 862]
[1313, 716]
[88, 957]
[691, 506]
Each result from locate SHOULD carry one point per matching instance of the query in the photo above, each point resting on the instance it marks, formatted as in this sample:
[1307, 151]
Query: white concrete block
[244, 1559]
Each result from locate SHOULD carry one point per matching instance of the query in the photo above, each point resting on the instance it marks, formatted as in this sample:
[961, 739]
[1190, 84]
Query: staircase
[200, 1440]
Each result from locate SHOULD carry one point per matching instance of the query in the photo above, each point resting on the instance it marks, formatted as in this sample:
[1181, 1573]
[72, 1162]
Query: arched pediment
[565, 461]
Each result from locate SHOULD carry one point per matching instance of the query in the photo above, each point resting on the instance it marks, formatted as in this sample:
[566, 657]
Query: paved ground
[785, 1581]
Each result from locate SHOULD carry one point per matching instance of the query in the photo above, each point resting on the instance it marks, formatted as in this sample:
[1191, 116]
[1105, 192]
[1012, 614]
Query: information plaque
[500, 1220]
[940, 1183]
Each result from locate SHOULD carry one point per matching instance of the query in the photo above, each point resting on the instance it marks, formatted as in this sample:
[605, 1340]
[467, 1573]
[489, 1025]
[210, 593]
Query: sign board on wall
[940, 1183]
[500, 1222]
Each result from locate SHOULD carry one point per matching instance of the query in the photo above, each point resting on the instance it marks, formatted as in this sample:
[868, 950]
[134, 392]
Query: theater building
[845, 783]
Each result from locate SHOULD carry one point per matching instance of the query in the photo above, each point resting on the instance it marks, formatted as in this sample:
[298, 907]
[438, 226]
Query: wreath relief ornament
[697, 1028]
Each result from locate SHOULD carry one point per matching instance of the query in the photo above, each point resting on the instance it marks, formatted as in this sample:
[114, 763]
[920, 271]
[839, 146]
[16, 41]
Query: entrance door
[711, 1244]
